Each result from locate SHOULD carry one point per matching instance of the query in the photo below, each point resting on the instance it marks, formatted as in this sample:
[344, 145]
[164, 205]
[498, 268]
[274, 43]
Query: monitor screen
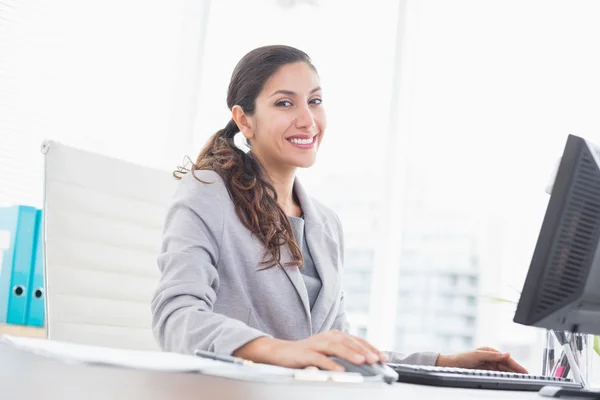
[562, 287]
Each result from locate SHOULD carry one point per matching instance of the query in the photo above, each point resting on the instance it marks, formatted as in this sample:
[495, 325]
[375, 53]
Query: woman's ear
[243, 121]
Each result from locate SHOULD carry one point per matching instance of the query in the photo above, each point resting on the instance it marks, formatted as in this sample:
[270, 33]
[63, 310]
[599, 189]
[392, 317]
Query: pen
[561, 337]
[222, 357]
[566, 371]
[550, 360]
[546, 354]
[579, 339]
[559, 367]
[563, 362]
[562, 367]
[545, 359]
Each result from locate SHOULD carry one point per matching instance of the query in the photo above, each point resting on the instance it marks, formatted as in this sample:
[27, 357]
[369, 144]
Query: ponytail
[229, 131]
[254, 197]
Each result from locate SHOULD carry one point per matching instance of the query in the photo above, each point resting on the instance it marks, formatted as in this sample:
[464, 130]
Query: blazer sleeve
[182, 307]
[421, 358]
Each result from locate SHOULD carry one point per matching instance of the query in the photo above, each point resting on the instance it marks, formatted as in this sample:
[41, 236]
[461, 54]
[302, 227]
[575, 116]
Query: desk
[27, 376]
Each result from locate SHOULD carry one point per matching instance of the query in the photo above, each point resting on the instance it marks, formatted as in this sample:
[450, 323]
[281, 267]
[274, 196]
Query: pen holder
[554, 360]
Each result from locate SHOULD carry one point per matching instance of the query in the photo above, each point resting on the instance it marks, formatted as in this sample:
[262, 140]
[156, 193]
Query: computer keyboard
[477, 378]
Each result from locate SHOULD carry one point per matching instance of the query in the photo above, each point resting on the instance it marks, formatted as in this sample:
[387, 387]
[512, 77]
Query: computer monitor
[562, 287]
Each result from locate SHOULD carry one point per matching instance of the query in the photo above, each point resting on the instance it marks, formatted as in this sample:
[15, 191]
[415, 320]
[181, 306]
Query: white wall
[103, 76]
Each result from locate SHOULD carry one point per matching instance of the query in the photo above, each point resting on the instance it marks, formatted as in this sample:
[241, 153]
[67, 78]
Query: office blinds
[17, 167]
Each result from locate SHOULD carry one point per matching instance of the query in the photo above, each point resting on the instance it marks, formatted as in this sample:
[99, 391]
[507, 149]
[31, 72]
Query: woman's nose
[305, 119]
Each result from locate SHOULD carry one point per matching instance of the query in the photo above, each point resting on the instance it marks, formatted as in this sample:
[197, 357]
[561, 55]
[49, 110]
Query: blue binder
[35, 295]
[20, 222]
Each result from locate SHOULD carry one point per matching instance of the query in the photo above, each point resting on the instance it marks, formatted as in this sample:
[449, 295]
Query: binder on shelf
[19, 224]
[35, 295]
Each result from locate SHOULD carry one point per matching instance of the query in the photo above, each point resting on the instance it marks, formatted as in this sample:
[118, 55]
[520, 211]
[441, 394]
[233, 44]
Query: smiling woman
[251, 265]
[266, 285]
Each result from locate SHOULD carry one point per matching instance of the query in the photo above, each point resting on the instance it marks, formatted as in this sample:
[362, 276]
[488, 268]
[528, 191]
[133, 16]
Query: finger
[381, 355]
[321, 361]
[503, 368]
[488, 366]
[342, 350]
[509, 362]
[514, 366]
[493, 366]
[499, 366]
[490, 356]
[360, 348]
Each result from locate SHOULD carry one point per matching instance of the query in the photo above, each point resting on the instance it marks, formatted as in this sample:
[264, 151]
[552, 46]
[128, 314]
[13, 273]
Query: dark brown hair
[254, 196]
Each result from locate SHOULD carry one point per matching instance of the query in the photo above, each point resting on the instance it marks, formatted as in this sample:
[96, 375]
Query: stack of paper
[99, 355]
[166, 361]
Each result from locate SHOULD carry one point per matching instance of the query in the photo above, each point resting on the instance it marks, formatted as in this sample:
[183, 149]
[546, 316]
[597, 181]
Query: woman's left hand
[481, 358]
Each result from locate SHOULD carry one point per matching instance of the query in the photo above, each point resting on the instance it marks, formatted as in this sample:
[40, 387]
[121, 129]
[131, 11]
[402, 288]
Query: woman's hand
[482, 358]
[311, 352]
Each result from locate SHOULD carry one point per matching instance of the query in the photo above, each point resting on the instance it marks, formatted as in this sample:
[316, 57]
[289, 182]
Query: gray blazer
[212, 296]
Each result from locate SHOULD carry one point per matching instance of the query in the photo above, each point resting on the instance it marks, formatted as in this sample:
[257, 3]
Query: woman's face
[289, 120]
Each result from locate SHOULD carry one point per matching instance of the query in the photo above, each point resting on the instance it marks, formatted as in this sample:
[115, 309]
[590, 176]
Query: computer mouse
[368, 370]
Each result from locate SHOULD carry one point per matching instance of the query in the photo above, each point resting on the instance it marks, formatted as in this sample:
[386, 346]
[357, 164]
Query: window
[65, 76]
[360, 257]
[470, 321]
[362, 331]
[453, 279]
[473, 280]
[490, 166]
[467, 342]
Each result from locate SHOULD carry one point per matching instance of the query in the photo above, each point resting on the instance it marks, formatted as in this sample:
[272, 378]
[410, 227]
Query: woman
[250, 263]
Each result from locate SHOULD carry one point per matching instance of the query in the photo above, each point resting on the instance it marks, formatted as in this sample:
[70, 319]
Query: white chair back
[103, 221]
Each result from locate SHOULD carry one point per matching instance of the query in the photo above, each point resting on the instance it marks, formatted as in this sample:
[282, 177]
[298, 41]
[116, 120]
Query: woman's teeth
[302, 141]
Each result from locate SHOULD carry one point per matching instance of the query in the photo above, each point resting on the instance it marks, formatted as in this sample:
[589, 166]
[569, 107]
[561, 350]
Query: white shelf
[20, 330]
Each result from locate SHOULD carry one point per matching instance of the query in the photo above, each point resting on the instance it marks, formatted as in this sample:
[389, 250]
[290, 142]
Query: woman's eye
[283, 103]
[316, 101]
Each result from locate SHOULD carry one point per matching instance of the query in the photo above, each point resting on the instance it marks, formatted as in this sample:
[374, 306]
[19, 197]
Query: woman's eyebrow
[292, 93]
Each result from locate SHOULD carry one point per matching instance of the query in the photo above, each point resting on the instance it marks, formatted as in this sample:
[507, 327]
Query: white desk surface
[27, 376]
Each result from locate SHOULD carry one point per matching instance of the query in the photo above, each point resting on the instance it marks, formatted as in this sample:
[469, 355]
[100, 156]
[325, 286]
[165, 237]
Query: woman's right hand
[311, 352]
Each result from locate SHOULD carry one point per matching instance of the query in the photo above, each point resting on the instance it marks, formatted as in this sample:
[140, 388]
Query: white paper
[165, 361]
[70, 352]
[153, 360]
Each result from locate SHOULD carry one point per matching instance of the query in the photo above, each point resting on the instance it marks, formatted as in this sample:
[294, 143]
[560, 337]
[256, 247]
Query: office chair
[103, 220]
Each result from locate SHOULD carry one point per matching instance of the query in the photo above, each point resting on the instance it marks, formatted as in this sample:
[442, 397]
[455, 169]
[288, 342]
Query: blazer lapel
[295, 276]
[323, 249]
